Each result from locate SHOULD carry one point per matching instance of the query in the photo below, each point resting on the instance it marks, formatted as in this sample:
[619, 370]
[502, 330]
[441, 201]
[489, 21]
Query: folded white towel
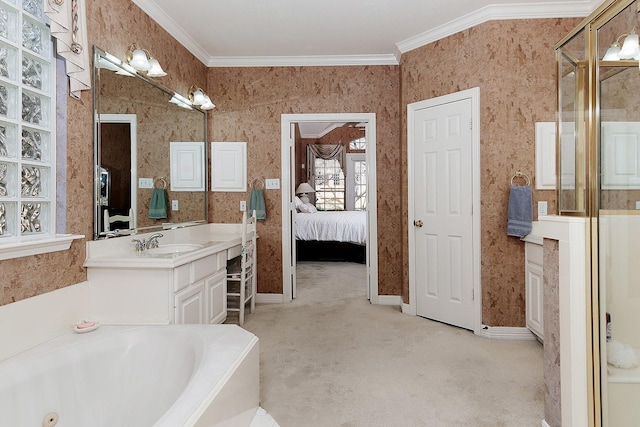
[621, 355]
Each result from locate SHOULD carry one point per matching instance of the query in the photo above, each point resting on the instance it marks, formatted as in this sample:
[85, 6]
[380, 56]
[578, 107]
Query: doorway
[444, 209]
[118, 161]
[288, 167]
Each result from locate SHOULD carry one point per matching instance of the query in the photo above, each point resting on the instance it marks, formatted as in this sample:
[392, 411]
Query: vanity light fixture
[200, 99]
[630, 48]
[141, 60]
[180, 101]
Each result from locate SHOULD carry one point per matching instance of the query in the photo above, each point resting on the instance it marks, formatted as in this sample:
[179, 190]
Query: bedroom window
[329, 185]
[358, 144]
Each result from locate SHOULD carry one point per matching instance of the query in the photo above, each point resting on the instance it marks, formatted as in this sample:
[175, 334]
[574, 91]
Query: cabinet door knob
[418, 223]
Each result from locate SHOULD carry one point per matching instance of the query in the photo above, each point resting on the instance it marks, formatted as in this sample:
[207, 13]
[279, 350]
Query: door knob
[418, 223]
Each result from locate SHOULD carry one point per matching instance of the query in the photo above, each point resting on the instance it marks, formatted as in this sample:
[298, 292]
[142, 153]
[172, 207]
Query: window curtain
[325, 152]
[69, 27]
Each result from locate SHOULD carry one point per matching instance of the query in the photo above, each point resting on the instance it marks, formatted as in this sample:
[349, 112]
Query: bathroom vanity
[181, 281]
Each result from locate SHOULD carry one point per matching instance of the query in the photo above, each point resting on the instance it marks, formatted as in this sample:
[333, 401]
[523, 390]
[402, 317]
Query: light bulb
[630, 47]
[139, 60]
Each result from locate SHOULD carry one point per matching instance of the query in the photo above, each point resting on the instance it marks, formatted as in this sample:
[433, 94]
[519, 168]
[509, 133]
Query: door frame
[474, 95]
[288, 149]
[132, 121]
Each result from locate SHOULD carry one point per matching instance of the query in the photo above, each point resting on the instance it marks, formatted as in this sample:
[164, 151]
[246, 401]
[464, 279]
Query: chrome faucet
[140, 244]
[152, 241]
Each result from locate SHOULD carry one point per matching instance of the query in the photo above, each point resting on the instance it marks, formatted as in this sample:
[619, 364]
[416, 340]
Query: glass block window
[27, 148]
[329, 185]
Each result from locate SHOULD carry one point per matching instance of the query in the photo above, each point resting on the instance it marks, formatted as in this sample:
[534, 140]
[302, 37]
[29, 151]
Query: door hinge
[470, 124]
[473, 294]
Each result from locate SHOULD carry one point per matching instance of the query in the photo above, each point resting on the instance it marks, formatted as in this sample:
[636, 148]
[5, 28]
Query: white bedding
[333, 226]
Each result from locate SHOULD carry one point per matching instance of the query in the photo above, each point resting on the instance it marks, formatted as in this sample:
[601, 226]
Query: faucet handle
[140, 244]
[152, 241]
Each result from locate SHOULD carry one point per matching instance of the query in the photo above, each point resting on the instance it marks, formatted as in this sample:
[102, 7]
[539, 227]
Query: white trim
[395, 300]
[571, 234]
[26, 246]
[545, 424]
[532, 10]
[505, 333]
[269, 298]
[409, 309]
[495, 12]
[372, 214]
[300, 61]
[132, 121]
[474, 95]
[156, 13]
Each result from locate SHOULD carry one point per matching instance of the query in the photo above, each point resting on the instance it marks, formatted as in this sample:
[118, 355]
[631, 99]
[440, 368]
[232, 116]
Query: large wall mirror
[137, 121]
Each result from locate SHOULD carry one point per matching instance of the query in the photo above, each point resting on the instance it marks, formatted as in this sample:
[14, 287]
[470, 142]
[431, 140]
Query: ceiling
[228, 33]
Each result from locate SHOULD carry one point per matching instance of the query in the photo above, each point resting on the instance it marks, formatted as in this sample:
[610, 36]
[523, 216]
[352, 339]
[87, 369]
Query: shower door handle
[418, 223]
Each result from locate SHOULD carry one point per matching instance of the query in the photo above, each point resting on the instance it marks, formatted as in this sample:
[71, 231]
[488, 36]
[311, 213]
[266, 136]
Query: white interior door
[443, 212]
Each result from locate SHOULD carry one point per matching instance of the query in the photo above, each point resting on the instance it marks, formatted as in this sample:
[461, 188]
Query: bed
[332, 236]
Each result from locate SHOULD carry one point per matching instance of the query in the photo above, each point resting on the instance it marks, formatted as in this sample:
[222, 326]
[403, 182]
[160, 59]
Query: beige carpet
[332, 359]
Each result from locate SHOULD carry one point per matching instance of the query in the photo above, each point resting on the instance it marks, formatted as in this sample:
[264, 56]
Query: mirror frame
[100, 55]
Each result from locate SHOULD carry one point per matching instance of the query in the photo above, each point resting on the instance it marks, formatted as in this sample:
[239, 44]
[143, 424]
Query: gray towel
[158, 204]
[256, 203]
[520, 214]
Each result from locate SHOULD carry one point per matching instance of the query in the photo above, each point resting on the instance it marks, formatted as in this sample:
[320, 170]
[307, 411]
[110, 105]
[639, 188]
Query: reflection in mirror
[136, 121]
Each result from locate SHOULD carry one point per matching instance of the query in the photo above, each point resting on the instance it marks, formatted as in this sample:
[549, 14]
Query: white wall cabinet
[533, 288]
[229, 166]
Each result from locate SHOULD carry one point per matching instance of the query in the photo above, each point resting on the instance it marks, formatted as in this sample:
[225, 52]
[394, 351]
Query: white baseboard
[390, 300]
[545, 424]
[269, 298]
[409, 309]
[505, 333]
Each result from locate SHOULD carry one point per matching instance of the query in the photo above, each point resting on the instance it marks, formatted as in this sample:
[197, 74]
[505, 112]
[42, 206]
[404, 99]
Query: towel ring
[162, 181]
[521, 175]
[257, 184]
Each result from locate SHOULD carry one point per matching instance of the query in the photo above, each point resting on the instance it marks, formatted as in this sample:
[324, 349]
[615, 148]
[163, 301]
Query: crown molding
[500, 12]
[559, 9]
[166, 22]
[300, 61]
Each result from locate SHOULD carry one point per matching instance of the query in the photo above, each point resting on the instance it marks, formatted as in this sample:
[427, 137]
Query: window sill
[30, 246]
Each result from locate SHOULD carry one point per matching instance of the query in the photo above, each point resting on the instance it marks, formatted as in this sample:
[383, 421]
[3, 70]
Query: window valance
[69, 27]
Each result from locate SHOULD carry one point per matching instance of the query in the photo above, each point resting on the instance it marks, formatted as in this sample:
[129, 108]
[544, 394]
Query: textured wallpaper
[249, 103]
[113, 26]
[511, 61]
[513, 64]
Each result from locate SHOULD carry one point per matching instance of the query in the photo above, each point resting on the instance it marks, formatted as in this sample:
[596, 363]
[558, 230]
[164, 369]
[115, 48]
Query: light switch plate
[272, 184]
[542, 208]
[174, 205]
[243, 205]
[145, 182]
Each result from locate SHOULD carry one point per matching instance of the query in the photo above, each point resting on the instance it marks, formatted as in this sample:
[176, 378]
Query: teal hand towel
[158, 204]
[256, 203]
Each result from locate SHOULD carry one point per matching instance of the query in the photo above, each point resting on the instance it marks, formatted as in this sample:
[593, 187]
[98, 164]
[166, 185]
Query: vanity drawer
[204, 267]
[181, 277]
[234, 252]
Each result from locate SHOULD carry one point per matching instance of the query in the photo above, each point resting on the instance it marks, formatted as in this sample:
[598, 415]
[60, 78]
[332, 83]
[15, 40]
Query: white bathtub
[162, 376]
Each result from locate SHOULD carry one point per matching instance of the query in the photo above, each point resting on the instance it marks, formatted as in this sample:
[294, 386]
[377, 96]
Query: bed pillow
[297, 202]
[307, 208]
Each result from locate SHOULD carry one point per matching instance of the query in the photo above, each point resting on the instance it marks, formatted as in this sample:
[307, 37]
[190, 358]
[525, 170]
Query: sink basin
[172, 249]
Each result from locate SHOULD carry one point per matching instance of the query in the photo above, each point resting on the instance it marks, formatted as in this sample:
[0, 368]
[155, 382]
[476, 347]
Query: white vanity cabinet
[200, 290]
[152, 291]
[534, 287]
[163, 287]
